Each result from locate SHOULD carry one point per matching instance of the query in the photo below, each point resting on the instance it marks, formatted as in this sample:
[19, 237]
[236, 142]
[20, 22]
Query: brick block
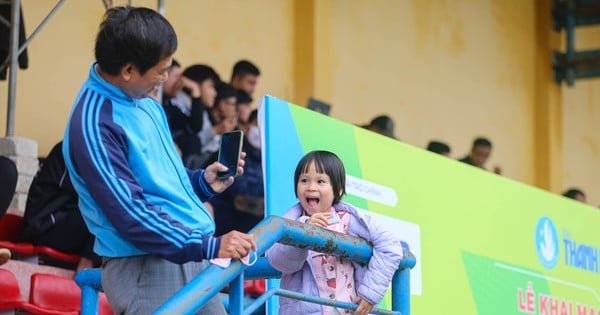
[17, 205]
[18, 146]
[26, 165]
[23, 183]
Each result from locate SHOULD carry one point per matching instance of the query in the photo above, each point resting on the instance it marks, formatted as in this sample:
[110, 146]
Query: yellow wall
[443, 69]
[450, 70]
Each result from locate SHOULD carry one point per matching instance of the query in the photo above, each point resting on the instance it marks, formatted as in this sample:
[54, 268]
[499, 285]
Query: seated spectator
[8, 181]
[480, 153]
[223, 118]
[241, 206]
[244, 108]
[383, 125]
[191, 116]
[439, 148]
[576, 194]
[244, 76]
[52, 217]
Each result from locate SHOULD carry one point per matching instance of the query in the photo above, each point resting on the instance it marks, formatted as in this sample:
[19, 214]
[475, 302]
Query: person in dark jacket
[52, 217]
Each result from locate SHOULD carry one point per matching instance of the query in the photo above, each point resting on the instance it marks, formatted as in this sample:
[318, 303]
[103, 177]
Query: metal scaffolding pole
[161, 11]
[12, 78]
[13, 57]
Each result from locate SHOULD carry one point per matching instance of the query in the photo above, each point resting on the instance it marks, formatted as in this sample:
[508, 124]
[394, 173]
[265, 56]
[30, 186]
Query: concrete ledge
[17, 146]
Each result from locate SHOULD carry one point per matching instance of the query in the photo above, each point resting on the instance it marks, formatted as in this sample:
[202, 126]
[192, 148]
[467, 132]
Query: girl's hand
[364, 307]
[319, 219]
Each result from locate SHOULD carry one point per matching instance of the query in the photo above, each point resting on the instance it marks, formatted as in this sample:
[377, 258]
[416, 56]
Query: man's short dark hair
[438, 147]
[201, 73]
[573, 192]
[139, 36]
[224, 91]
[244, 67]
[482, 142]
[242, 97]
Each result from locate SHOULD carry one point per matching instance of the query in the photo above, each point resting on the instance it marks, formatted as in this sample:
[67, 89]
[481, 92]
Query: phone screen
[229, 152]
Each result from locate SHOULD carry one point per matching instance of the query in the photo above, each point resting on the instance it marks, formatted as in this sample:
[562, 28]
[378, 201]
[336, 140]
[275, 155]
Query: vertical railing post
[89, 300]
[89, 280]
[401, 291]
[401, 284]
[236, 295]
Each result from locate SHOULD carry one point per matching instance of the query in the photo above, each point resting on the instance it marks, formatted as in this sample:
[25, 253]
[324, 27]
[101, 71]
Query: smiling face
[138, 85]
[314, 190]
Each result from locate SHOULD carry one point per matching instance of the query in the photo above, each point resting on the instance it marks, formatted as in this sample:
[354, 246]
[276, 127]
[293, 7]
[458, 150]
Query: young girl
[320, 181]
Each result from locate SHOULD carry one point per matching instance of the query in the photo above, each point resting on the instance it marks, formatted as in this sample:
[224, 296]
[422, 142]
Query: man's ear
[127, 71]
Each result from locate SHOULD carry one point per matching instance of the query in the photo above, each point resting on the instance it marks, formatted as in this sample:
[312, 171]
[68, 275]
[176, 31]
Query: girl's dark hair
[328, 163]
[140, 36]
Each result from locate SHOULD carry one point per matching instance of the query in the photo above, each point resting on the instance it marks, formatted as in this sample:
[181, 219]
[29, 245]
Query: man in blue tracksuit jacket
[143, 206]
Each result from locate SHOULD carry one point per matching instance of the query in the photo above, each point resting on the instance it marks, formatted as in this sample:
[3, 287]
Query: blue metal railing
[271, 230]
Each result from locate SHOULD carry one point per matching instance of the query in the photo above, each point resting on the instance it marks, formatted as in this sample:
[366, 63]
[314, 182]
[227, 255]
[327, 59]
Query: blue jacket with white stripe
[134, 192]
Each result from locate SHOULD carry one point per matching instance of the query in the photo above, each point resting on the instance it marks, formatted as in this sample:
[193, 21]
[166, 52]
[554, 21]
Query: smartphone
[229, 152]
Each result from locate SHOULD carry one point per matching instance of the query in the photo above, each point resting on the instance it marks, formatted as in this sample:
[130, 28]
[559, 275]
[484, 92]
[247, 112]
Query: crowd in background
[481, 150]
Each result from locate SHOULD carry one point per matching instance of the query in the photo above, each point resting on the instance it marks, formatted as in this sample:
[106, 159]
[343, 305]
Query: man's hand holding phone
[220, 184]
[230, 150]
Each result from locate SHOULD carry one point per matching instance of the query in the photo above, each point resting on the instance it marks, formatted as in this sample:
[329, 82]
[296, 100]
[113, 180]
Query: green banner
[485, 244]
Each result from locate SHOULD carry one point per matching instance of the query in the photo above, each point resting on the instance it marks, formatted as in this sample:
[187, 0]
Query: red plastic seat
[55, 293]
[61, 294]
[254, 288]
[10, 299]
[19, 249]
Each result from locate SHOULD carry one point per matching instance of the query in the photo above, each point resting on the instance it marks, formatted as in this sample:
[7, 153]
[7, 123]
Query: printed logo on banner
[546, 242]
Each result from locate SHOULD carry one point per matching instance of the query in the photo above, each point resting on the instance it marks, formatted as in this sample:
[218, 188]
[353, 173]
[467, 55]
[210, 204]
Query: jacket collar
[113, 91]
